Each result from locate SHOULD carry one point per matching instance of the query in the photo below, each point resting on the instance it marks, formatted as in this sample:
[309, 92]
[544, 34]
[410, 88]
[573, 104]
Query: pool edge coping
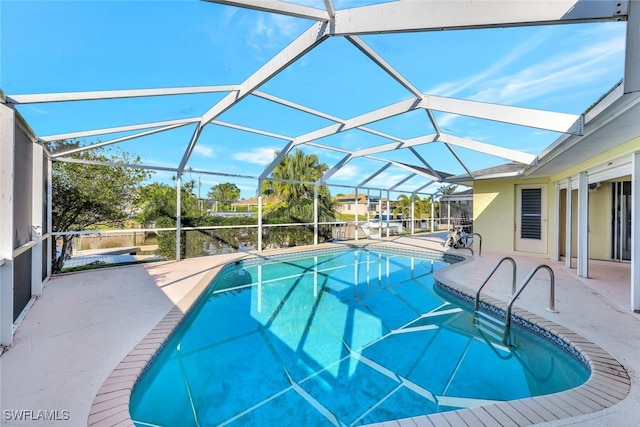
[608, 384]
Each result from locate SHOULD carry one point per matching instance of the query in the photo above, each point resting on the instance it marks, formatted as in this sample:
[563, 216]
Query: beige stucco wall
[494, 212]
[600, 222]
[494, 209]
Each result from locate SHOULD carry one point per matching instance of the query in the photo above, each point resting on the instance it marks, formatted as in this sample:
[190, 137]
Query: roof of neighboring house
[253, 201]
[362, 198]
[460, 195]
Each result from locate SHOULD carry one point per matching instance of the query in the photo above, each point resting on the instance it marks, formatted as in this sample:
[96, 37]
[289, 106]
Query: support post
[568, 225]
[413, 214]
[7, 142]
[259, 215]
[388, 213]
[356, 215]
[36, 221]
[433, 227]
[315, 214]
[51, 241]
[583, 225]
[635, 232]
[380, 215]
[556, 234]
[178, 214]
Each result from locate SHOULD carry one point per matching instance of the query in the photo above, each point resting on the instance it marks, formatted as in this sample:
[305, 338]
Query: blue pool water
[349, 337]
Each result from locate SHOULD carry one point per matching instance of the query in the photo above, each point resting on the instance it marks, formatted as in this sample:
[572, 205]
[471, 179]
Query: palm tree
[298, 172]
[404, 206]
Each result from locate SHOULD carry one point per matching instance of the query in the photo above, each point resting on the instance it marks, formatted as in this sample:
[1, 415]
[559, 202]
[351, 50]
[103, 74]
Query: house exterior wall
[350, 208]
[494, 207]
[494, 204]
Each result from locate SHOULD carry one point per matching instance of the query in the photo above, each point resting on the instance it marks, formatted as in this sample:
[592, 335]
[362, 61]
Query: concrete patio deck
[86, 323]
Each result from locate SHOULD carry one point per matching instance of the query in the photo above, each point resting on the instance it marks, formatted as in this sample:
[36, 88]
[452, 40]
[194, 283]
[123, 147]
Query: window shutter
[531, 215]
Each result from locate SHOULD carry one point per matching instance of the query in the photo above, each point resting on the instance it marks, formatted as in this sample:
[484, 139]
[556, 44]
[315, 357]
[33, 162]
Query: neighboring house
[251, 204]
[349, 205]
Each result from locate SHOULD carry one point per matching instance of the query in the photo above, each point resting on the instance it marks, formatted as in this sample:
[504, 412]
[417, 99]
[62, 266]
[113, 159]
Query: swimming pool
[340, 337]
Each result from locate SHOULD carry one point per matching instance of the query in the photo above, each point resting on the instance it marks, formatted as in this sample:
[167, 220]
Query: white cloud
[204, 151]
[385, 180]
[257, 156]
[560, 71]
[271, 30]
[452, 88]
[579, 66]
[346, 172]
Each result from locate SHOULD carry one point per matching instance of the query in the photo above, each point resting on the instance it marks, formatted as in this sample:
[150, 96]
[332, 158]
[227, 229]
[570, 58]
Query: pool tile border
[608, 384]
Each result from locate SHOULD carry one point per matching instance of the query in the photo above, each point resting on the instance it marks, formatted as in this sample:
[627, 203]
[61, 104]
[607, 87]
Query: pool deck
[67, 357]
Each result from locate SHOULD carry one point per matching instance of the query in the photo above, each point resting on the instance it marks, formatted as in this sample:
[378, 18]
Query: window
[531, 214]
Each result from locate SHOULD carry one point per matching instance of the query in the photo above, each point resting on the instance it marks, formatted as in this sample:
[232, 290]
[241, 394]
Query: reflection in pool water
[349, 337]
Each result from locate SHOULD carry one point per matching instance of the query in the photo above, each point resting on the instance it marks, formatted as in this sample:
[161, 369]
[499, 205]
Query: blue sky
[58, 46]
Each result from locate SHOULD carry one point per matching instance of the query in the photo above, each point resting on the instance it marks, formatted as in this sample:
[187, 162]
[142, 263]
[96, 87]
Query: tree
[421, 207]
[88, 195]
[224, 194]
[447, 189]
[306, 169]
[404, 205]
[296, 174]
[157, 207]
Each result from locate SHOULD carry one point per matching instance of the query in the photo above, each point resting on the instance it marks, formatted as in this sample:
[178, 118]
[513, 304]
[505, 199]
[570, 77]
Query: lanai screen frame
[433, 15]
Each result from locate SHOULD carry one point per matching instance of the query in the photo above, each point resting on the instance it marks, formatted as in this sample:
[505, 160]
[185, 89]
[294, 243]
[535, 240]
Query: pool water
[338, 338]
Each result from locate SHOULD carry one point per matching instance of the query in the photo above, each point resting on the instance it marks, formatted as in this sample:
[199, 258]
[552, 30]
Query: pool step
[490, 325]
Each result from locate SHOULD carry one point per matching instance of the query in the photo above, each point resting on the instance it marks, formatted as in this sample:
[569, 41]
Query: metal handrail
[479, 243]
[525, 282]
[493, 270]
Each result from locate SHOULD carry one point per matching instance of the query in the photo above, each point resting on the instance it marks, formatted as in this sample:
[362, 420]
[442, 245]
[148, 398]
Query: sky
[59, 46]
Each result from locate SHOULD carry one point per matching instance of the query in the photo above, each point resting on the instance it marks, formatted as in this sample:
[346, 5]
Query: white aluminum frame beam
[7, 176]
[632, 51]
[438, 15]
[295, 106]
[378, 172]
[118, 129]
[426, 164]
[370, 117]
[250, 130]
[113, 164]
[376, 58]
[494, 150]
[426, 139]
[312, 37]
[635, 232]
[453, 152]
[328, 174]
[281, 155]
[413, 170]
[321, 114]
[190, 147]
[402, 181]
[279, 7]
[115, 94]
[539, 119]
[115, 141]
[331, 10]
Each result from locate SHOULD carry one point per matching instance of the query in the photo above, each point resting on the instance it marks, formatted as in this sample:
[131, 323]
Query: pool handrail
[525, 282]
[493, 270]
